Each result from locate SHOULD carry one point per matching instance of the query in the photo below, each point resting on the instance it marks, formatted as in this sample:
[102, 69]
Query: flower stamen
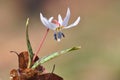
[58, 35]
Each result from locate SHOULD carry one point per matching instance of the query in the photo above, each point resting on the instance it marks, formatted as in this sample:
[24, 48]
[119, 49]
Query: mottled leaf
[51, 56]
[30, 51]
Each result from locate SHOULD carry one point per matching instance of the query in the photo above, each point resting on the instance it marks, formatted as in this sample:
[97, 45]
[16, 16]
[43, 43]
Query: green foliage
[53, 55]
[30, 51]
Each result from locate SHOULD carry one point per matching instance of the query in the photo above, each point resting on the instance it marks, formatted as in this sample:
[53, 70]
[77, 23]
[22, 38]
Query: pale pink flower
[58, 25]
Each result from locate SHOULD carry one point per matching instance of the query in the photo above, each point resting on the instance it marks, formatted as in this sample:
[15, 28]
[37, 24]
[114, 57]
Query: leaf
[23, 60]
[51, 56]
[50, 76]
[31, 74]
[30, 51]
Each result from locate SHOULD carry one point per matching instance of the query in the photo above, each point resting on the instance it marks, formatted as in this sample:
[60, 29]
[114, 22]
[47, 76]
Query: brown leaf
[24, 73]
[23, 60]
[49, 76]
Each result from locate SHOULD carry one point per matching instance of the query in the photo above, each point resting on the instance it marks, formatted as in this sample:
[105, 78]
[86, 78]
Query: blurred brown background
[98, 33]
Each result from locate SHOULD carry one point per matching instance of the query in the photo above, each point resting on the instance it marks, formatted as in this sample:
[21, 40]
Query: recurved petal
[50, 25]
[66, 19]
[73, 24]
[47, 23]
[50, 19]
[42, 19]
[60, 19]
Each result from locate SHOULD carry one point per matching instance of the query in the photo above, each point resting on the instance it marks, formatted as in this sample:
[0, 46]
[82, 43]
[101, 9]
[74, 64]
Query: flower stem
[41, 43]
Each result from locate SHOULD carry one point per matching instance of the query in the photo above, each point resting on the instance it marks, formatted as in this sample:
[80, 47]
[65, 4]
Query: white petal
[60, 19]
[66, 19]
[42, 19]
[74, 24]
[47, 23]
[50, 25]
[50, 19]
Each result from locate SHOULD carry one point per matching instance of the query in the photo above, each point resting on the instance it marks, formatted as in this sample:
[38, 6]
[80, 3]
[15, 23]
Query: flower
[58, 25]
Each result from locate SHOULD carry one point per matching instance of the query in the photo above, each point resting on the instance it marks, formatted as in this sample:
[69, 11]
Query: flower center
[59, 27]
